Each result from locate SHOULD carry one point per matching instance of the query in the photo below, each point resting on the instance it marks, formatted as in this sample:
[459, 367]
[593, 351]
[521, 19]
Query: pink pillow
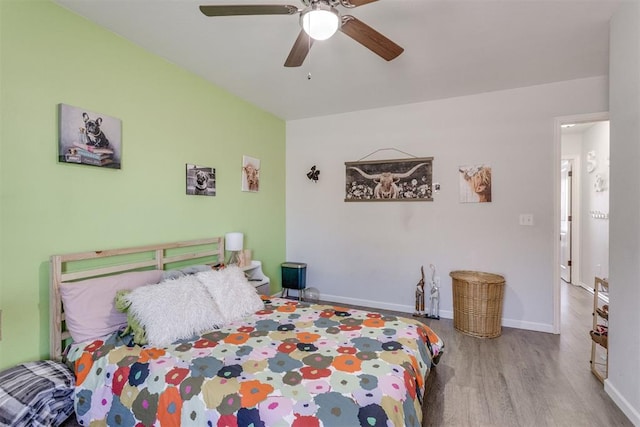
[89, 304]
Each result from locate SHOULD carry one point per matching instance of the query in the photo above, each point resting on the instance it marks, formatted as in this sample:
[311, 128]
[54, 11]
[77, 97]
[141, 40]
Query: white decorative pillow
[174, 309]
[232, 292]
[89, 307]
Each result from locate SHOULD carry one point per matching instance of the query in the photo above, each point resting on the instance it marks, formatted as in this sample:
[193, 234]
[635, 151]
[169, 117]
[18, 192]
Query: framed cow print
[250, 174]
[399, 180]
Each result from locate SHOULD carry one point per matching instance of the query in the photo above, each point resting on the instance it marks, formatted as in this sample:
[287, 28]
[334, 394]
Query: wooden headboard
[87, 265]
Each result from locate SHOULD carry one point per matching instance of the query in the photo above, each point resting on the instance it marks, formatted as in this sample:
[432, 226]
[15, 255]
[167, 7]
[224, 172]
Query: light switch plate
[526, 219]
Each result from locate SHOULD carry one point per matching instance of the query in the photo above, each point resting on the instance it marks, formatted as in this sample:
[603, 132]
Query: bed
[289, 363]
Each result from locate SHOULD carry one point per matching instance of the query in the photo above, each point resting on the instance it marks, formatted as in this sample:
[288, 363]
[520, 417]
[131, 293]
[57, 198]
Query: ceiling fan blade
[249, 9]
[299, 50]
[356, 3]
[370, 38]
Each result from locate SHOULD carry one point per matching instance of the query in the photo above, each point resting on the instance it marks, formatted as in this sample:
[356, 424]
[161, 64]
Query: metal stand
[433, 310]
[285, 293]
[420, 296]
[234, 258]
[434, 295]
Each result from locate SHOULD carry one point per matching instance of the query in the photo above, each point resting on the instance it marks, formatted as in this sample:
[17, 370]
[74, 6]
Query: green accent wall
[170, 117]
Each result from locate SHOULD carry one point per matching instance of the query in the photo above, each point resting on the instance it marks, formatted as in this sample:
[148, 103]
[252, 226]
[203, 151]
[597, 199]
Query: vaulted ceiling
[452, 48]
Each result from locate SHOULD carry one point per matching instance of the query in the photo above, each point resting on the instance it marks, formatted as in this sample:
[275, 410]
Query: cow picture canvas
[475, 183]
[400, 180]
[250, 174]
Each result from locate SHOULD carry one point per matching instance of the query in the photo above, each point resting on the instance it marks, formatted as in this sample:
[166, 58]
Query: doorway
[582, 203]
[566, 229]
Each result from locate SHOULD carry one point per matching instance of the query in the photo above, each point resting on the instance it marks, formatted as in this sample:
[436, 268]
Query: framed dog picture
[201, 180]
[250, 174]
[89, 138]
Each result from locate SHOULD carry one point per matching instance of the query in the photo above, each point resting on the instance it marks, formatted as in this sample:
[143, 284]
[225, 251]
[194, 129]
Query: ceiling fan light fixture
[320, 21]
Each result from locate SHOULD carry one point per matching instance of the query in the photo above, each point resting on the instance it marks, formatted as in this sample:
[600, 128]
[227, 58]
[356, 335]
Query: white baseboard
[529, 326]
[445, 314]
[632, 413]
[604, 298]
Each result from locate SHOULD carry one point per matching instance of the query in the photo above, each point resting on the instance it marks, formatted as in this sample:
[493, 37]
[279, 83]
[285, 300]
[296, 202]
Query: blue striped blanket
[36, 394]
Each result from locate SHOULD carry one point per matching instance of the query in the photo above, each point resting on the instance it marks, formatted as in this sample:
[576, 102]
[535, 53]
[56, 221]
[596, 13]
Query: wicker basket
[477, 303]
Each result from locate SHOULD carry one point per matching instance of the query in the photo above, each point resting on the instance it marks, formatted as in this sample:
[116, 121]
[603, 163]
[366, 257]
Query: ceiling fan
[319, 20]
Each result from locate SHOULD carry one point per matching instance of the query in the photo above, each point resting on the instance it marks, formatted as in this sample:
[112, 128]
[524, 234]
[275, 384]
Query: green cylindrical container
[294, 275]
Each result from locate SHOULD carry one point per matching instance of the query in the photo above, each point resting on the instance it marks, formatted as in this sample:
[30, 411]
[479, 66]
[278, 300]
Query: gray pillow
[191, 269]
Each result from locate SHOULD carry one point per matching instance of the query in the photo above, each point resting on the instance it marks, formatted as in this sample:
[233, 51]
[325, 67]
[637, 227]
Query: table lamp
[233, 244]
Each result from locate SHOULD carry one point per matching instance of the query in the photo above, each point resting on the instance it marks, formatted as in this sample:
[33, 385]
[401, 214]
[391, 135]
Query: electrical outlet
[526, 219]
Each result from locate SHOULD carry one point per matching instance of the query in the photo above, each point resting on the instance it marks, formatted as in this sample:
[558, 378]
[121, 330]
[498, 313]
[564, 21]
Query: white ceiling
[452, 48]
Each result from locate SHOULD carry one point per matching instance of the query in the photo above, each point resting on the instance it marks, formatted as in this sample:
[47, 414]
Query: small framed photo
[201, 180]
[250, 174]
[89, 138]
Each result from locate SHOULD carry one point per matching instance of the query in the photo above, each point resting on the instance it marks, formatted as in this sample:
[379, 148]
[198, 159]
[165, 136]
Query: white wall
[594, 249]
[371, 253]
[624, 317]
[571, 145]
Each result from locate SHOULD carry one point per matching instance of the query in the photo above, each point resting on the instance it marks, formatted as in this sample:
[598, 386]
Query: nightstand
[257, 278]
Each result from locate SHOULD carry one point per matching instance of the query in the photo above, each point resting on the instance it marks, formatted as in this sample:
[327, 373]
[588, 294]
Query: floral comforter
[290, 364]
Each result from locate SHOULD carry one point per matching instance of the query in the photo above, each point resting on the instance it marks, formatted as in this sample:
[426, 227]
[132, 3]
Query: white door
[565, 220]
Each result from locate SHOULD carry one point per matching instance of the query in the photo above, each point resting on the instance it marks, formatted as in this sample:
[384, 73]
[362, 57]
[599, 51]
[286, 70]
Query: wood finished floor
[521, 378]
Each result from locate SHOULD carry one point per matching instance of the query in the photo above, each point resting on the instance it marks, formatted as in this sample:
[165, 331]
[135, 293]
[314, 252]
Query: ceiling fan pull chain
[309, 55]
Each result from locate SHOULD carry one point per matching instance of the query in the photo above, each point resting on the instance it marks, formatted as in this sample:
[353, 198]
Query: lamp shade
[233, 241]
[320, 21]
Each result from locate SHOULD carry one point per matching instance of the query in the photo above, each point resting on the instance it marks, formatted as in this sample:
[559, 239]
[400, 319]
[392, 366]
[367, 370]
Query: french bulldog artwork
[89, 138]
[95, 136]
